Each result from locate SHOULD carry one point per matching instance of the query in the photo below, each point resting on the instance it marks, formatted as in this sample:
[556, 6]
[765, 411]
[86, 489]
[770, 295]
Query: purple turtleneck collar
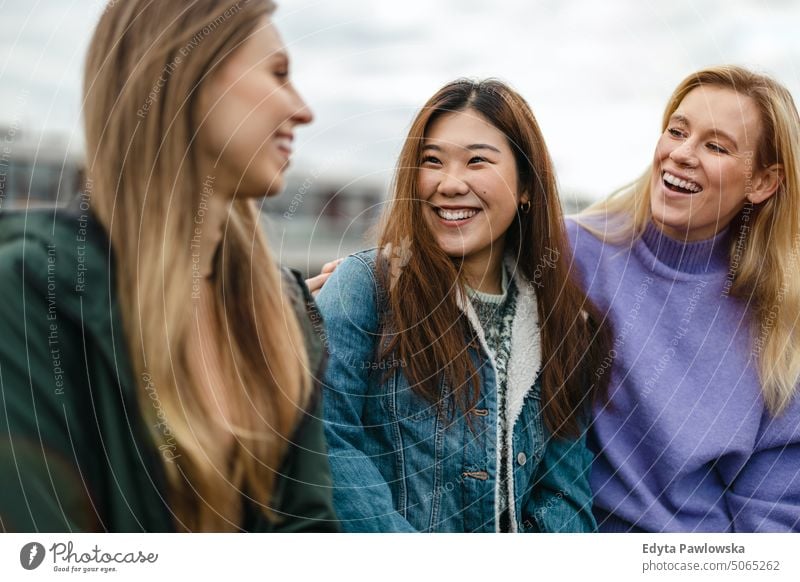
[689, 258]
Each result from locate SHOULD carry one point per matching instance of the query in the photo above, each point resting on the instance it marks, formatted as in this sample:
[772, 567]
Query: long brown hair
[146, 65]
[424, 325]
[765, 246]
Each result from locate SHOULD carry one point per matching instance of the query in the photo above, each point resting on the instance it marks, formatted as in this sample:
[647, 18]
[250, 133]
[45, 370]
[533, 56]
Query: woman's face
[704, 168]
[250, 113]
[468, 184]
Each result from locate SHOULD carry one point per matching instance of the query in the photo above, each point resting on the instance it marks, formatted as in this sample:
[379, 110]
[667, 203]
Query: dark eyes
[716, 148]
[282, 74]
[435, 160]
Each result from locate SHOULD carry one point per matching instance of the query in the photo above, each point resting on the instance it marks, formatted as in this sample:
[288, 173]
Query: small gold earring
[525, 207]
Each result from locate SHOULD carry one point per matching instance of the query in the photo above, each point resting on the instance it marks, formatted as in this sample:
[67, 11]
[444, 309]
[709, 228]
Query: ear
[523, 198]
[766, 183]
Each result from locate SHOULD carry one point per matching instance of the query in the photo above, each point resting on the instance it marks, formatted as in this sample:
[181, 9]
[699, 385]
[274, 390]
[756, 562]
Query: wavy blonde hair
[141, 116]
[765, 251]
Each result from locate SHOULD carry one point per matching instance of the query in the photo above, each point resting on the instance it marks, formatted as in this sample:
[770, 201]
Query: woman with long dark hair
[462, 355]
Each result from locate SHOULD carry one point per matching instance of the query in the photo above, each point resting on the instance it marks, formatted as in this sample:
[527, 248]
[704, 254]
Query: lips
[680, 184]
[456, 214]
[284, 143]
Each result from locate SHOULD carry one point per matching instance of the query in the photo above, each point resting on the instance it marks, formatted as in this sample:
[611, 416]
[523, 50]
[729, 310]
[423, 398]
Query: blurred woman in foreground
[157, 367]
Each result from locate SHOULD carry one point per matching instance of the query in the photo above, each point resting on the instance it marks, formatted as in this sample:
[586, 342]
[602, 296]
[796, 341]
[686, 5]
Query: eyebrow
[717, 132]
[472, 147]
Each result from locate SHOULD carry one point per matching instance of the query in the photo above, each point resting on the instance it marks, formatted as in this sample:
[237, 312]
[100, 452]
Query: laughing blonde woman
[697, 267]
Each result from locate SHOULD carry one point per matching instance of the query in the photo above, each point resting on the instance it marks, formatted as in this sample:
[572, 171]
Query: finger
[315, 283]
[331, 266]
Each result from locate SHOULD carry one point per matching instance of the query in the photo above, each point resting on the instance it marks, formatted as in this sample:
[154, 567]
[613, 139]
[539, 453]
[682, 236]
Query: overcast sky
[597, 74]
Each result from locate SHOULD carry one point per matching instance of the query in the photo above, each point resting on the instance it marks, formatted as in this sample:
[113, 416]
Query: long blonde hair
[146, 64]
[765, 246]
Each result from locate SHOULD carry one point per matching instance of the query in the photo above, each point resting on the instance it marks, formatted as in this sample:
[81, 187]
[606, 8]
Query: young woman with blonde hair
[157, 367]
[697, 267]
[462, 355]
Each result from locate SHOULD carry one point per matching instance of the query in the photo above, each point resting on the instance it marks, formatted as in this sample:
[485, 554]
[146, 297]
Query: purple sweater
[685, 442]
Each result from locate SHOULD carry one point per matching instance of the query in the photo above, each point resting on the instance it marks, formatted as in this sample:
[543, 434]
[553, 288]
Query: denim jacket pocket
[415, 429]
[403, 403]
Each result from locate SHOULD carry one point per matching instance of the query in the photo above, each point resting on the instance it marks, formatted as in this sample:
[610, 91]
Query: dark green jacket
[74, 452]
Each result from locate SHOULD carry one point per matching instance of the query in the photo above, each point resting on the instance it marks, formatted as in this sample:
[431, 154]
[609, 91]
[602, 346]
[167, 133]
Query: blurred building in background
[37, 169]
[316, 220]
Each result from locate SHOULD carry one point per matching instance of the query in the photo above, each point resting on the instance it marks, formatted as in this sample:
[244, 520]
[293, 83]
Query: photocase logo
[32, 555]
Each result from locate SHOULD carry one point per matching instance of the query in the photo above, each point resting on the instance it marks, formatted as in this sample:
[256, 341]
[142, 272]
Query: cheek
[729, 177]
[726, 178]
[502, 188]
[662, 150]
[268, 107]
[252, 105]
[247, 133]
[505, 214]
[223, 126]
[501, 216]
[427, 181]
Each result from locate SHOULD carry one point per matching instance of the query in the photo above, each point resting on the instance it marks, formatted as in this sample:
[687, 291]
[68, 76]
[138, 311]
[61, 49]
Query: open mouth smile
[680, 185]
[455, 215]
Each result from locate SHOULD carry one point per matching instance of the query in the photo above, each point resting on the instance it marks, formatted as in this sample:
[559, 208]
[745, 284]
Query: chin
[670, 225]
[662, 214]
[452, 252]
[267, 187]
[273, 190]
[271, 183]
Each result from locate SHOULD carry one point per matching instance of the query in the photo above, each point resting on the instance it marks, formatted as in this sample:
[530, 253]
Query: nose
[684, 154]
[452, 185]
[302, 114]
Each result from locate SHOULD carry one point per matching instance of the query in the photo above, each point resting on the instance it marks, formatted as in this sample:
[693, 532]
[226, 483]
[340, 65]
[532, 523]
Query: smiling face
[467, 182]
[705, 165]
[249, 112]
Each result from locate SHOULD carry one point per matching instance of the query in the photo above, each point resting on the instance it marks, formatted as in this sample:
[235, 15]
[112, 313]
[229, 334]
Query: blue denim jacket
[401, 464]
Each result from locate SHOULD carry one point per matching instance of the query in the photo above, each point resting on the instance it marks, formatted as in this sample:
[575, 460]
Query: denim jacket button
[522, 458]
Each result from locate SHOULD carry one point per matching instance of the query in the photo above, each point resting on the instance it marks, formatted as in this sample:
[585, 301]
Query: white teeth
[685, 184]
[456, 214]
